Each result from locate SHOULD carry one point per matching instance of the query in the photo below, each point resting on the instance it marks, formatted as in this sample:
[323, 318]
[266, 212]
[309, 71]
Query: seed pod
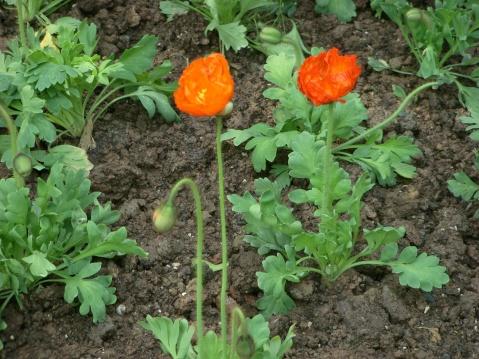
[22, 164]
[164, 218]
[270, 35]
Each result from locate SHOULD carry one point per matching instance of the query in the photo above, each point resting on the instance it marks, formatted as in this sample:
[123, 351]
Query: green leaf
[154, 101]
[70, 156]
[419, 271]
[279, 70]
[40, 266]
[102, 244]
[378, 64]
[344, 10]
[305, 160]
[463, 186]
[275, 299]
[139, 58]
[212, 346]
[174, 336]
[382, 236]
[258, 329]
[94, 294]
[173, 8]
[429, 64]
[233, 35]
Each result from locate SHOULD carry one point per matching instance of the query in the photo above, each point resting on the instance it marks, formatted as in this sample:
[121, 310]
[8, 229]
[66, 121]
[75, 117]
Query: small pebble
[121, 309]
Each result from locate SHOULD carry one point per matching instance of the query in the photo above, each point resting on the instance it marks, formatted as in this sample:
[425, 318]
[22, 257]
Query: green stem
[407, 100]
[199, 248]
[224, 239]
[21, 23]
[12, 130]
[326, 204]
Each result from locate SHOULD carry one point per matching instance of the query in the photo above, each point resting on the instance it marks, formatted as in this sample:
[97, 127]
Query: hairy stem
[224, 239]
[21, 23]
[407, 100]
[326, 204]
[12, 131]
[237, 319]
[187, 182]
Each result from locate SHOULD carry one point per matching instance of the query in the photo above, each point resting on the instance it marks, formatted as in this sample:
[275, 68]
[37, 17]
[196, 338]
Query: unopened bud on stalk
[164, 218]
[270, 35]
[227, 110]
[22, 164]
[245, 347]
[416, 16]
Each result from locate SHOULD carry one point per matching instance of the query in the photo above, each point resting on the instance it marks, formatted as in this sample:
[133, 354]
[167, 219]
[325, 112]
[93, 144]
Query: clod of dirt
[362, 314]
[302, 290]
[394, 305]
[132, 17]
[102, 331]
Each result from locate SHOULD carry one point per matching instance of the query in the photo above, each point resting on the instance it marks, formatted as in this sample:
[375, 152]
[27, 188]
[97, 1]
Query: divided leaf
[277, 272]
[174, 336]
[416, 271]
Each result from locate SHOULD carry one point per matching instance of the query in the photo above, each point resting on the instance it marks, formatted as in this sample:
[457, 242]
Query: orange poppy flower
[328, 76]
[205, 87]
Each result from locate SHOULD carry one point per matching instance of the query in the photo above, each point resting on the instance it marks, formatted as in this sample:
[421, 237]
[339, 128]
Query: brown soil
[366, 314]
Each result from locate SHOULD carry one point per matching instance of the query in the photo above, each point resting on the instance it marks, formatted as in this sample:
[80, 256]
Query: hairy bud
[22, 164]
[164, 218]
[270, 35]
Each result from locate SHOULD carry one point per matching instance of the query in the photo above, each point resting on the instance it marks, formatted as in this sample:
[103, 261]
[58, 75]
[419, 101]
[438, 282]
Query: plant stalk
[326, 204]
[407, 100]
[224, 239]
[12, 131]
[21, 23]
[199, 248]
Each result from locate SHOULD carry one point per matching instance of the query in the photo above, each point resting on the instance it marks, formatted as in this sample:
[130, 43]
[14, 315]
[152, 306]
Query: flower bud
[415, 17]
[227, 110]
[245, 347]
[164, 218]
[22, 164]
[270, 35]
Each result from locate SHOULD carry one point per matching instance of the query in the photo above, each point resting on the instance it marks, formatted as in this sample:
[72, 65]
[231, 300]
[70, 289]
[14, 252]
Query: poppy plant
[328, 76]
[205, 87]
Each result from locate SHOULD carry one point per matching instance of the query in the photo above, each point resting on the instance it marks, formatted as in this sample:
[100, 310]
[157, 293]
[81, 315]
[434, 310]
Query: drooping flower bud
[22, 164]
[245, 347]
[270, 35]
[164, 218]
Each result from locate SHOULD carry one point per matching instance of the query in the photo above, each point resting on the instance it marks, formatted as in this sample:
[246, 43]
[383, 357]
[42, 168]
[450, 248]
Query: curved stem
[21, 22]
[199, 248]
[224, 239]
[237, 319]
[407, 100]
[12, 130]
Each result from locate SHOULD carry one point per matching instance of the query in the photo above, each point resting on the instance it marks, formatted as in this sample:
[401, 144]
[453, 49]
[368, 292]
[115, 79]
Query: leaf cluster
[53, 235]
[57, 78]
[339, 244]
[255, 342]
[344, 10]
[38, 8]
[383, 159]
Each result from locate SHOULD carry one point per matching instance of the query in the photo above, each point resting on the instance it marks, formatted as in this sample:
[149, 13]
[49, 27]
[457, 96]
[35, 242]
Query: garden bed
[366, 313]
